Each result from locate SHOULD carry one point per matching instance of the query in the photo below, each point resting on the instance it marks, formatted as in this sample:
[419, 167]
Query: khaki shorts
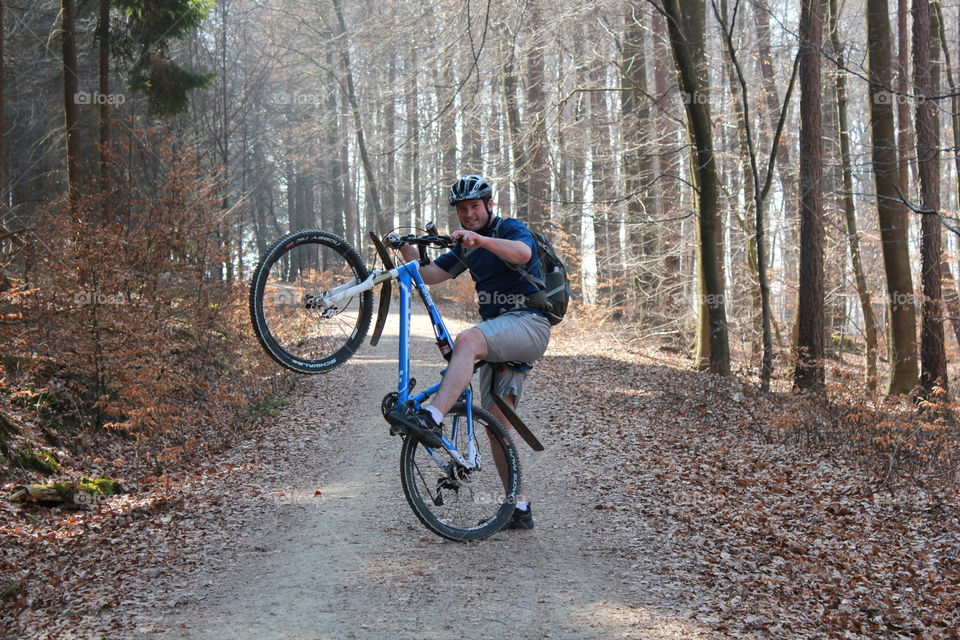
[515, 336]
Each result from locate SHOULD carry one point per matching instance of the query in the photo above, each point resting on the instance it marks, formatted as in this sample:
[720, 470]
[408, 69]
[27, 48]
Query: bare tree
[890, 209]
[509, 87]
[786, 167]
[686, 27]
[538, 168]
[809, 371]
[637, 155]
[71, 109]
[904, 131]
[926, 80]
[373, 204]
[760, 188]
[103, 37]
[951, 298]
[849, 207]
[3, 95]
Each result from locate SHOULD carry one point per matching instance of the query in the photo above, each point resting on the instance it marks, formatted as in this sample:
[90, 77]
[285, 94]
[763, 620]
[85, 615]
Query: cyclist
[494, 250]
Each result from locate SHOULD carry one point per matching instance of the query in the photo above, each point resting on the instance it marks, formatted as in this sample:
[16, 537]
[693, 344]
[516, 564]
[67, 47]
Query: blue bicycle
[311, 304]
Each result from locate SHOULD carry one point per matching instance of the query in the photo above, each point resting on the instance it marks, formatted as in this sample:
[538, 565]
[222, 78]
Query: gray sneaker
[521, 519]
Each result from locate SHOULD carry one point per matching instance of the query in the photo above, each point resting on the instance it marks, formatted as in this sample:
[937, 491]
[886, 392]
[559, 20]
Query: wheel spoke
[286, 301]
[470, 496]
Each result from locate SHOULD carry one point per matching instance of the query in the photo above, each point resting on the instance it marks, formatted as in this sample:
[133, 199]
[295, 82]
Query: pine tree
[149, 28]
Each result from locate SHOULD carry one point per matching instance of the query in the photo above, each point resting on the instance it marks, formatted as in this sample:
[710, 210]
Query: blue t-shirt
[499, 288]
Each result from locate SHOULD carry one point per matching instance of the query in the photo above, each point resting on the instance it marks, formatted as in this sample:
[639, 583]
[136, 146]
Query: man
[495, 250]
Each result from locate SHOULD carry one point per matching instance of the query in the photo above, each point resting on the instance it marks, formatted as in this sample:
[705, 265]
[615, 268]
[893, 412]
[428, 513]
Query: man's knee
[472, 341]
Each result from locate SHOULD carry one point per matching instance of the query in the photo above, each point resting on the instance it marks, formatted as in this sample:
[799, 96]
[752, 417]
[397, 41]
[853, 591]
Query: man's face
[473, 214]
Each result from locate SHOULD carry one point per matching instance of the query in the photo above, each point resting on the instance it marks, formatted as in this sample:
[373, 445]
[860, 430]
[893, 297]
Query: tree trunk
[849, 208]
[103, 35]
[3, 123]
[785, 167]
[951, 297]
[686, 27]
[809, 371]
[891, 213]
[448, 144]
[904, 137]
[508, 81]
[374, 210]
[538, 209]
[225, 137]
[70, 99]
[413, 155]
[474, 134]
[390, 124]
[933, 360]
[747, 220]
[600, 169]
[954, 100]
[637, 164]
[671, 246]
[338, 203]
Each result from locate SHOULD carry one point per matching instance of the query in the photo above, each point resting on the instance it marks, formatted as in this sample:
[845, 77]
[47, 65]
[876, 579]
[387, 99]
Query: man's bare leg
[470, 346]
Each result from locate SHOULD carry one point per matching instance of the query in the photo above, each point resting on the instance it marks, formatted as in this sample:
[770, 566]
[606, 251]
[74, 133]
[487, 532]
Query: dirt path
[354, 562]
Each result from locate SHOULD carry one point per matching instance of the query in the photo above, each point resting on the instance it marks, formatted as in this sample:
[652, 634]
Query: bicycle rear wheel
[457, 503]
[291, 322]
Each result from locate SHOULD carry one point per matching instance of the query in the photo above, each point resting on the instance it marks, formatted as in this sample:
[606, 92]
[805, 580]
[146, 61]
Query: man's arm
[513, 251]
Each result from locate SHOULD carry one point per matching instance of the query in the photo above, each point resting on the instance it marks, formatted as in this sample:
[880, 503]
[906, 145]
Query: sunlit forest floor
[670, 503]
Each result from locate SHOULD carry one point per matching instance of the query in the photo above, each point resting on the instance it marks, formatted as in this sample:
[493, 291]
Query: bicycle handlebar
[434, 240]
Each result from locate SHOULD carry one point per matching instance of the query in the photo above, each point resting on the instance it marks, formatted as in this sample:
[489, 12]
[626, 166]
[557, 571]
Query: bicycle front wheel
[286, 301]
[456, 502]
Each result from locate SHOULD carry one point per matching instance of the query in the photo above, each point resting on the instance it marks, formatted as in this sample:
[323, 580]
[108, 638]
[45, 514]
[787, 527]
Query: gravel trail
[354, 562]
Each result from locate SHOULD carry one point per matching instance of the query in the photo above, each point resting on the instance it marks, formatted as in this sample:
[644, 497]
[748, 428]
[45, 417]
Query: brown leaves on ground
[83, 573]
[794, 536]
[731, 492]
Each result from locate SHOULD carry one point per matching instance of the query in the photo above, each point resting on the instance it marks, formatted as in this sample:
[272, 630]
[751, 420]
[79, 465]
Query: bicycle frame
[408, 276]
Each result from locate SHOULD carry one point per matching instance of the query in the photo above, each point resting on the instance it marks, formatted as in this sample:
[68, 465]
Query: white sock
[437, 416]
[522, 505]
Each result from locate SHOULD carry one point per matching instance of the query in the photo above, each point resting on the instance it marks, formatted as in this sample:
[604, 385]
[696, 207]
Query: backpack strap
[534, 281]
[537, 300]
[519, 268]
